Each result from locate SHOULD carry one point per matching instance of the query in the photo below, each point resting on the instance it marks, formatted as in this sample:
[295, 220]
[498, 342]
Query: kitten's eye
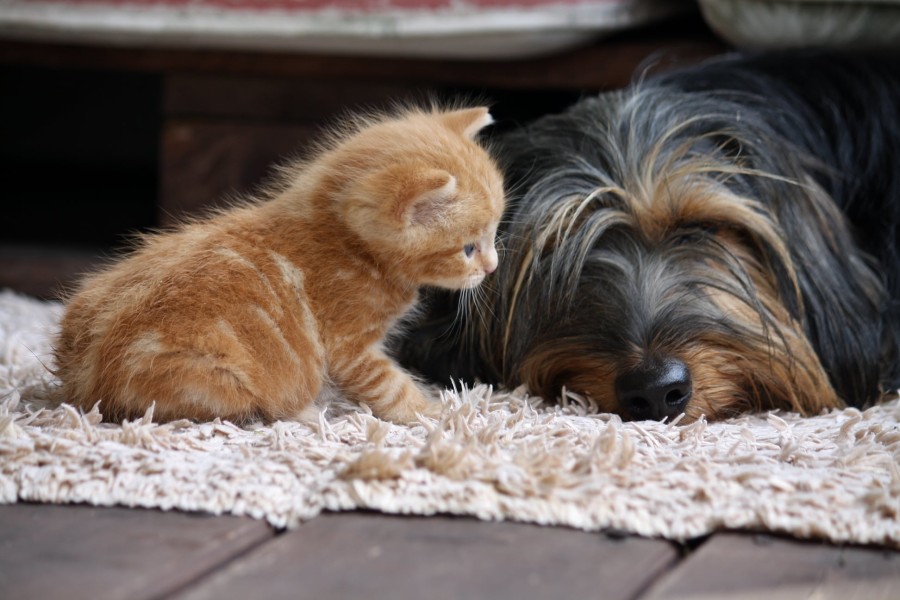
[469, 250]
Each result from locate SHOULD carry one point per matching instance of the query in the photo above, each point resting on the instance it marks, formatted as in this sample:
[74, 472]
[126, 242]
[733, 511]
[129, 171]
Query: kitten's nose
[490, 260]
[656, 389]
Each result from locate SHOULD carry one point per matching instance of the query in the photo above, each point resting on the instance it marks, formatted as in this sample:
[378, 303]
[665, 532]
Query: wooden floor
[75, 552]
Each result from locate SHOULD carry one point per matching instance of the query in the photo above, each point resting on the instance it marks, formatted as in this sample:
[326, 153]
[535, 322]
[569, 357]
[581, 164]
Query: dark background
[97, 144]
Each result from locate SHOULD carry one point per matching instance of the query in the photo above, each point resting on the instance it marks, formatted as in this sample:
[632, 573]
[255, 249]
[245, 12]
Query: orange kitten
[253, 311]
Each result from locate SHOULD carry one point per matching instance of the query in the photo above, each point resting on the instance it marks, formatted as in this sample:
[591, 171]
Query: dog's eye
[469, 250]
[695, 233]
[687, 238]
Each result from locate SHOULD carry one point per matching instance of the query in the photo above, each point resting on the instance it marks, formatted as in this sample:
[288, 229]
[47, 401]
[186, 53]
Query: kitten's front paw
[432, 409]
[408, 412]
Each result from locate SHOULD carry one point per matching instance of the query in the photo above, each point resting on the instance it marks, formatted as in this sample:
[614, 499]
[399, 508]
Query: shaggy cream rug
[493, 455]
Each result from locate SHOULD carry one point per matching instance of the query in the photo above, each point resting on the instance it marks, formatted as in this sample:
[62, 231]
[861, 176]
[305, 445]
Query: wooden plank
[360, 555]
[283, 99]
[205, 164]
[73, 552]
[745, 567]
[609, 62]
[46, 272]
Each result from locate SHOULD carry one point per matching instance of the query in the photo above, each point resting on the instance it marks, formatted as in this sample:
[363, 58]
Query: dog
[711, 241]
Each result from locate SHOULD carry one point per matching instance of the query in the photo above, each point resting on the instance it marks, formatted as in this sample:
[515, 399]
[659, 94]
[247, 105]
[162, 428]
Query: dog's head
[667, 255]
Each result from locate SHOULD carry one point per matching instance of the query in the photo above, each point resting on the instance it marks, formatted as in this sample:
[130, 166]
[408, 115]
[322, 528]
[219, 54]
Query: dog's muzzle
[655, 389]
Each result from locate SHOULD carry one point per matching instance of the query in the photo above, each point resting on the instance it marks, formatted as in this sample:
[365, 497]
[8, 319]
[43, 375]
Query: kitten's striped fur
[253, 311]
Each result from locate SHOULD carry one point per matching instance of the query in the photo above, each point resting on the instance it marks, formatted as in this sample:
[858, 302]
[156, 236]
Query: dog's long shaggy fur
[710, 241]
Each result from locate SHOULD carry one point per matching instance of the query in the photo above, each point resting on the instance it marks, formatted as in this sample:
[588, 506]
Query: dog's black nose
[655, 389]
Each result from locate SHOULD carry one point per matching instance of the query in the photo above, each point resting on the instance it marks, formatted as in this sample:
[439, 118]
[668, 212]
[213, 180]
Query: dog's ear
[842, 298]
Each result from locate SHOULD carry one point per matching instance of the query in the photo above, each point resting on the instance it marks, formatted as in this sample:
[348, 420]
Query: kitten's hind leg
[373, 379]
[184, 383]
[227, 373]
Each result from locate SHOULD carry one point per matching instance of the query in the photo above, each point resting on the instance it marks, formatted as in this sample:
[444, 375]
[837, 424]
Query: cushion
[776, 24]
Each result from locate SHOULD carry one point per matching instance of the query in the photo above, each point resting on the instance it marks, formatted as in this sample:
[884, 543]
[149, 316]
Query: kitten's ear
[468, 121]
[425, 201]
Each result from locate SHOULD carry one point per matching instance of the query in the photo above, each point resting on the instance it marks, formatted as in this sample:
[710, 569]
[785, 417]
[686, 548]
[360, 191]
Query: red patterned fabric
[437, 28]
